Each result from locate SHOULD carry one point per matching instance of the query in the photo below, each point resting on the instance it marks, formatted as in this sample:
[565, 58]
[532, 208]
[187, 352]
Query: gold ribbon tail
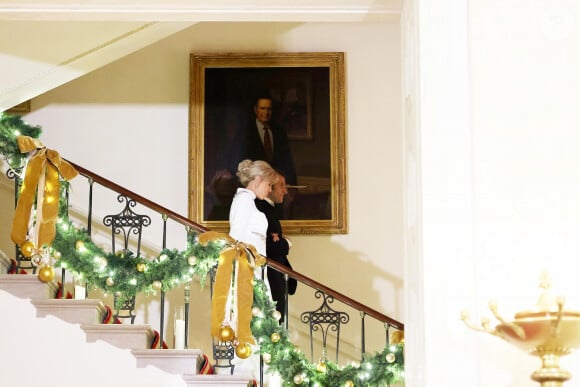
[26, 199]
[45, 162]
[247, 258]
[221, 290]
[245, 300]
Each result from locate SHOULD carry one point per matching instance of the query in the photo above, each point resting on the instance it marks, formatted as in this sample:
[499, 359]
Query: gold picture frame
[23, 107]
[307, 91]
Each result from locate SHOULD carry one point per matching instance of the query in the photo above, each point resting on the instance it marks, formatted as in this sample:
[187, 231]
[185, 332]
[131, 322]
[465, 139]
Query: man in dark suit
[260, 139]
[277, 247]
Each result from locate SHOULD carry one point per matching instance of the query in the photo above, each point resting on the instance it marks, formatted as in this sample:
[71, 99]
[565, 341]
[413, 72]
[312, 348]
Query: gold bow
[246, 256]
[49, 163]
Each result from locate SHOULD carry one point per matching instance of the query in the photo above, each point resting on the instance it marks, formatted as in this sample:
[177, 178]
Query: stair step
[88, 314]
[175, 361]
[193, 380]
[87, 311]
[27, 286]
[131, 336]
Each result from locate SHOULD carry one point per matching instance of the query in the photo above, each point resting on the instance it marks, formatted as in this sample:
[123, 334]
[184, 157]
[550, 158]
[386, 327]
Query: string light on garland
[80, 246]
[174, 268]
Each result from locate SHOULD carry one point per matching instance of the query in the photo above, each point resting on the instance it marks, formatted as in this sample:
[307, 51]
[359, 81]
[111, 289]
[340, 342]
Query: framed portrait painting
[305, 97]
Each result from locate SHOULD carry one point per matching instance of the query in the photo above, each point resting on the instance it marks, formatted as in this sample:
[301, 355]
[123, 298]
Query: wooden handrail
[138, 198]
[281, 268]
[337, 296]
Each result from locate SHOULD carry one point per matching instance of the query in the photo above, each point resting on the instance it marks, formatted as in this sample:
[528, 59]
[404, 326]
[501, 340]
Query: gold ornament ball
[80, 245]
[298, 379]
[110, 281]
[391, 357]
[349, 383]
[398, 337]
[141, 267]
[227, 333]
[277, 315]
[275, 337]
[27, 249]
[192, 260]
[267, 358]
[46, 273]
[102, 262]
[243, 351]
[321, 366]
[157, 285]
[57, 255]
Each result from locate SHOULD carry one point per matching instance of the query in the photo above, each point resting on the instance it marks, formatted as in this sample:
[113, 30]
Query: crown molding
[207, 10]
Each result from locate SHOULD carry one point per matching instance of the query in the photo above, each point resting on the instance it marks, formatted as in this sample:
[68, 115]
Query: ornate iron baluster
[126, 222]
[186, 299]
[324, 319]
[22, 262]
[162, 295]
[63, 270]
[362, 336]
[90, 214]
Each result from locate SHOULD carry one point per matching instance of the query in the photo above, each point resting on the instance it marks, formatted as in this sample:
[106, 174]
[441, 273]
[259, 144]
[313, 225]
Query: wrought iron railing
[323, 325]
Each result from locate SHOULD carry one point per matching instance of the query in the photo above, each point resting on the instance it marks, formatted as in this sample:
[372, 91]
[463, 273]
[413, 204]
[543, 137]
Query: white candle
[179, 334]
[80, 292]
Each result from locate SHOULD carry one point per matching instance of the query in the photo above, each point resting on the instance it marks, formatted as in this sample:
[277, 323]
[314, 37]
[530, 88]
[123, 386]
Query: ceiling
[46, 43]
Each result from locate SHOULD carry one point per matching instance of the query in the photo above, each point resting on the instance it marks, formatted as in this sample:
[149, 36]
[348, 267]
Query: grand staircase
[63, 342]
[49, 340]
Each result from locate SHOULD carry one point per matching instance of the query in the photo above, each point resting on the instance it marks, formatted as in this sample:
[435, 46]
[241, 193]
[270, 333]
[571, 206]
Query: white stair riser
[175, 361]
[72, 311]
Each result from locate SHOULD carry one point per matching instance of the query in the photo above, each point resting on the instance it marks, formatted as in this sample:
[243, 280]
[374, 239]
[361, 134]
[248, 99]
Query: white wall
[129, 123]
[496, 136]
[525, 127]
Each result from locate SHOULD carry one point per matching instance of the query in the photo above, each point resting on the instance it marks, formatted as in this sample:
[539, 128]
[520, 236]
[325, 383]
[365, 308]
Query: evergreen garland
[126, 275]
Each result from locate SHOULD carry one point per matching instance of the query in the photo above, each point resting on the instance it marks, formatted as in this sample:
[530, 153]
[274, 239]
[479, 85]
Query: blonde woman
[247, 223]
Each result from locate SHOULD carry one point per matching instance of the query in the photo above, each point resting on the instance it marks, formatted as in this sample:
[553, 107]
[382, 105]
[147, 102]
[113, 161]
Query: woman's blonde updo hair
[248, 170]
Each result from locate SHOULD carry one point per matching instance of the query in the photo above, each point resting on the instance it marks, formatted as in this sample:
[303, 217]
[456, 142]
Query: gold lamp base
[547, 332]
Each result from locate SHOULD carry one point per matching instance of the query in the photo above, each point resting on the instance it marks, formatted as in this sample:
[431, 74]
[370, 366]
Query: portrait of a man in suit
[262, 139]
[279, 115]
